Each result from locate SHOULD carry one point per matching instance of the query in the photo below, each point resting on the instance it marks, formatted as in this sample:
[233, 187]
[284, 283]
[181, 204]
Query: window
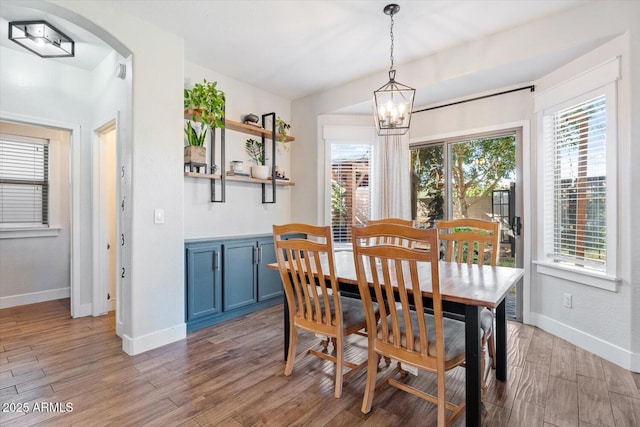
[350, 188]
[578, 191]
[577, 170]
[24, 181]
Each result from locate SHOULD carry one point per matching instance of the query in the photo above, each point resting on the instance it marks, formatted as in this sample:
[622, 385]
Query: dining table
[465, 290]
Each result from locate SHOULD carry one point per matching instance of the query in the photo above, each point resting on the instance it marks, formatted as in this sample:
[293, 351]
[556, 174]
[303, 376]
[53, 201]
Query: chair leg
[325, 344]
[370, 386]
[291, 355]
[442, 416]
[483, 366]
[492, 351]
[338, 347]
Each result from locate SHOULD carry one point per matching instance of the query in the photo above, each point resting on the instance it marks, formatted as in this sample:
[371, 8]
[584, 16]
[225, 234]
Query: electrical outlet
[568, 300]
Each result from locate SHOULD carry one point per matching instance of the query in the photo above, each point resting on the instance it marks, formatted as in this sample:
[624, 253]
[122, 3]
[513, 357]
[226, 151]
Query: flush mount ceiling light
[393, 102]
[41, 38]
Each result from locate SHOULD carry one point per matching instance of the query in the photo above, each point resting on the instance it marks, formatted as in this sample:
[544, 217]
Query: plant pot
[260, 172]
[195, 154]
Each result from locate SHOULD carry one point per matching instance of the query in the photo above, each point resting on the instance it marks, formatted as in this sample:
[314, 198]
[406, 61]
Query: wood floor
[232, 375]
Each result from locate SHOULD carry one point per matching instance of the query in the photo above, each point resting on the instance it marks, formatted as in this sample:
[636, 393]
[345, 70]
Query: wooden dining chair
[474, 241]
[392, 273]
[392, 220]
[306, 266]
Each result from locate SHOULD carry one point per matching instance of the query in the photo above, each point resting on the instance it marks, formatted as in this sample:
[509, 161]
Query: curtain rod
[532, 88]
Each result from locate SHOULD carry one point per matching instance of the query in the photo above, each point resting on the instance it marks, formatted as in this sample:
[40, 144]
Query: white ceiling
[298, 48]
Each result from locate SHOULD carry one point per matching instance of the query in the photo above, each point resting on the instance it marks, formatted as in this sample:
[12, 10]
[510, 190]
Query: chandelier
[393, 102]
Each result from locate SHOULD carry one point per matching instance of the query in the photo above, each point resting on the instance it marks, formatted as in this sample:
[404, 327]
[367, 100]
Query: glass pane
[478, 167]
[427, 182]
[350, 189]
[580, 184]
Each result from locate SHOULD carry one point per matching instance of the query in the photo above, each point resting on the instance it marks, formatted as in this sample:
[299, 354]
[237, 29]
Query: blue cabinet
[240, 276]
[269, 282]
[204, 294]
[226, 278]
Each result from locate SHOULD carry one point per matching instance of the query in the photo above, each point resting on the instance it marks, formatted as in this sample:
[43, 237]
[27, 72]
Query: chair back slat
[308, 274]
[467, 241]
[383, 268]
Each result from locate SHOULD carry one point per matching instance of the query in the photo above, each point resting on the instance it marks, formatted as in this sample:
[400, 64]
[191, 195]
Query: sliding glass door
[471, 177]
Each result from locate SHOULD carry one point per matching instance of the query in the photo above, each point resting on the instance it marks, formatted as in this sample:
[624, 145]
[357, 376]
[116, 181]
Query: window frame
[348, 135]
[35, 230]
[601, 80]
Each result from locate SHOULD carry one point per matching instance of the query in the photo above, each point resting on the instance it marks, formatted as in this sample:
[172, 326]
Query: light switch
[158, 216]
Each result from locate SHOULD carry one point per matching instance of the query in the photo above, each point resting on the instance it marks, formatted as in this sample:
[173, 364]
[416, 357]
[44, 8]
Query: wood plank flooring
[69, 372]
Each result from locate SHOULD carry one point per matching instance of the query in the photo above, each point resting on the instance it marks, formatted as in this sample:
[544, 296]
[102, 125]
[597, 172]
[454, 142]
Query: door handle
[216, 260]
[516, 225]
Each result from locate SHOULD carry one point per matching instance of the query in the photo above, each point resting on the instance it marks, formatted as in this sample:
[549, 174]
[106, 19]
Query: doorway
[475, 176]
[107, 219]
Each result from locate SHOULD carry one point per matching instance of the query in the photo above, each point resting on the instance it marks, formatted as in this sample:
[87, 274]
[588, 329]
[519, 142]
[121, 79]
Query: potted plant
[195, 152]
[282, 130]
[206, 105]
[254, 149]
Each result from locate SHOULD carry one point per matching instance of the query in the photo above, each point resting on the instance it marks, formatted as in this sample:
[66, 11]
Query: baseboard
[111, 305]
[34, 297]
[635, 362]
[133, 346]
[595, 345]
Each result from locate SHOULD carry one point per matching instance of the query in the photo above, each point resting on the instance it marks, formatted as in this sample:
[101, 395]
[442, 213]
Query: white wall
[243, 212]
[36, 90]
[607, 324]
[154, 293]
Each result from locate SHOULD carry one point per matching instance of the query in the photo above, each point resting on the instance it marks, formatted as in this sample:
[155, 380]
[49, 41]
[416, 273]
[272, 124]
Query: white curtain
[392, 173]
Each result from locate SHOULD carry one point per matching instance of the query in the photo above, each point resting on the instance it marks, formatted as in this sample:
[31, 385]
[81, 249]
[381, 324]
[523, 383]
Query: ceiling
[298, 48]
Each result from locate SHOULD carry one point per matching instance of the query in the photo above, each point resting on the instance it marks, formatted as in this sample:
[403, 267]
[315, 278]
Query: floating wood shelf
[258, 131]
[241, 127]
[238, 178]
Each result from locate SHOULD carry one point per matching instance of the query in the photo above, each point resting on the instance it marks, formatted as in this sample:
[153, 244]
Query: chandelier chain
[391, 68]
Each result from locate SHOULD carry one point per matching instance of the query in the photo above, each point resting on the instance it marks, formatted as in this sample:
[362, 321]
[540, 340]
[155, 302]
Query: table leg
[472, 349]
[501, 341]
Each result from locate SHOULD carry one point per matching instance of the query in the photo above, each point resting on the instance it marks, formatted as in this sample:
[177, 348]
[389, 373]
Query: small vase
[260, 172]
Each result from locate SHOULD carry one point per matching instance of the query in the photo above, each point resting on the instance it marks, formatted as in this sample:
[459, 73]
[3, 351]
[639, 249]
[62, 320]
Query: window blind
[579, 184]
[24, 180]
[350, 188]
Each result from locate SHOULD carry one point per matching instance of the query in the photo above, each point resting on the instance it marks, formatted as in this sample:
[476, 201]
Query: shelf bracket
[223, 173]
[273, 157]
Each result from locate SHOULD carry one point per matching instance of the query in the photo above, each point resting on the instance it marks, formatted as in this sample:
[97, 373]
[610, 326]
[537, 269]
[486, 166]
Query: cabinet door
[204, 287]
[269, 282]
[239, 274]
